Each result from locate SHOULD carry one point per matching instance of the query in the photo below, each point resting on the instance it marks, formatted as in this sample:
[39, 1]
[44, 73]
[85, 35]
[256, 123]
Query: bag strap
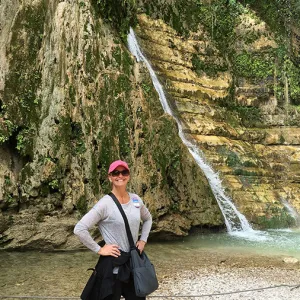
[129, 234]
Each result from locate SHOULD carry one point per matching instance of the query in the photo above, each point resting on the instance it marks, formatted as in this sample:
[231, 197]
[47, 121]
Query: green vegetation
[210, 68]
[7, 180]
[236, 115]
[147, 89]
[276, 217]
[238, 165]
[92, 58]
[123, 130]
[82, 205]
[94, 175]
[114, 135]
[117, 55]
[121, 14]
[107, 154]
[293, 72]
[62, 138]
[218, 17]
[269, 68]
[249, 164]
[122, 85]
[26, 172]
[25, 140]
[151, 97]
[70, 137]
[243, 172]
[53, 184]
[127, 63]
[283, 17]
[10, 200]
[168, 155]
[20, 107]
[77, 139]
[278, 14]
[233, 160]
[72, 94]
[254, 66]
[250, 115]
[174, 207]
[22, 82]
[6, 129]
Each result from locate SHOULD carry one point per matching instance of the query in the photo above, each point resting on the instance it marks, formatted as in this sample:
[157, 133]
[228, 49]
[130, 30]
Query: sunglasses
[116, 173]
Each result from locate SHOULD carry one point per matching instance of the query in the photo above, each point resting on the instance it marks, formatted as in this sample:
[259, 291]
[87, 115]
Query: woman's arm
[147, 223]
[82, 229]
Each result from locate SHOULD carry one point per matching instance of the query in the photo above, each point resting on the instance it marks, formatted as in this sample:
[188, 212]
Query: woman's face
[119, 176]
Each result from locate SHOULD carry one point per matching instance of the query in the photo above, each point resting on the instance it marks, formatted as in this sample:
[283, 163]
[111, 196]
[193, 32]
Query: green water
[284, 242]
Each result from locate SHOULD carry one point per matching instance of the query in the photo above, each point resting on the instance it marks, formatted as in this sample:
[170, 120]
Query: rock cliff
[231, 81]
[72, 100]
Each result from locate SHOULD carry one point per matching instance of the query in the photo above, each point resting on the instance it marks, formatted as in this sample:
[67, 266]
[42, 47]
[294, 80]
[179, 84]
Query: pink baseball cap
[116, 164]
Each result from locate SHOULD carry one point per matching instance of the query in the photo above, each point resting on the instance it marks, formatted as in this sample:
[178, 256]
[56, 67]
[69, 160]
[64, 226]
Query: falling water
[234, 220]
[293, 213]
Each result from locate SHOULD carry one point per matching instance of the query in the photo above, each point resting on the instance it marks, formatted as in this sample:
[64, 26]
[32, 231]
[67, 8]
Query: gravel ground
[231, 276]
[247, 283]
[194, 274]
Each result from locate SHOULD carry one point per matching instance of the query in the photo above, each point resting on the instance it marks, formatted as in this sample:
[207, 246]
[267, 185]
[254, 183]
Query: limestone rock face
[258, 158]
[73, 99]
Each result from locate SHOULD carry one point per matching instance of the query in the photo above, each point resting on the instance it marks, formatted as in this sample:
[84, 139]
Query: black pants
[124, 289]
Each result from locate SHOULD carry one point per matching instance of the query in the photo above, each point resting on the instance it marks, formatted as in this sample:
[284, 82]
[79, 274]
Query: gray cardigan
[106, 215]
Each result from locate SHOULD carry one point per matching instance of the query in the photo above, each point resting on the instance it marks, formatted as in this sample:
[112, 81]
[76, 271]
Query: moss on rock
[20, 95]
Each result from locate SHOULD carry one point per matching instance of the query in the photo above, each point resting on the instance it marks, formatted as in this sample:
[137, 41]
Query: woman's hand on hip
[141, 245]
[110, 250]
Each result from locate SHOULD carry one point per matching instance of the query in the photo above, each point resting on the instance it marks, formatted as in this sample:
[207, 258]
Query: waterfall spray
[234, 220]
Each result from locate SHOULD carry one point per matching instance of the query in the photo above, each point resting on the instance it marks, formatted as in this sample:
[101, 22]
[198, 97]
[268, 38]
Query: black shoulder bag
[144, 276]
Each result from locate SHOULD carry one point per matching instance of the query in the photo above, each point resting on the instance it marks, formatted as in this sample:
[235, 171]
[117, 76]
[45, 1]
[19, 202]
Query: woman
[113, 280]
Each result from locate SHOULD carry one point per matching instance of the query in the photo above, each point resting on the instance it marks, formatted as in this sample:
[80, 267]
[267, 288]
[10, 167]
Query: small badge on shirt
[136, 202]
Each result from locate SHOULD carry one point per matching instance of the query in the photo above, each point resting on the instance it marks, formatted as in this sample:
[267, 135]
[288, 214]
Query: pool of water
[65, 273]
[284, 242]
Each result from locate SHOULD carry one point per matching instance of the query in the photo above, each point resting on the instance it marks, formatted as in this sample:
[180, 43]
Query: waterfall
[293, 213]
[234, 220]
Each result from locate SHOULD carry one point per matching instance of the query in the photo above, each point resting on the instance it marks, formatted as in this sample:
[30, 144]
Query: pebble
[290, 260]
